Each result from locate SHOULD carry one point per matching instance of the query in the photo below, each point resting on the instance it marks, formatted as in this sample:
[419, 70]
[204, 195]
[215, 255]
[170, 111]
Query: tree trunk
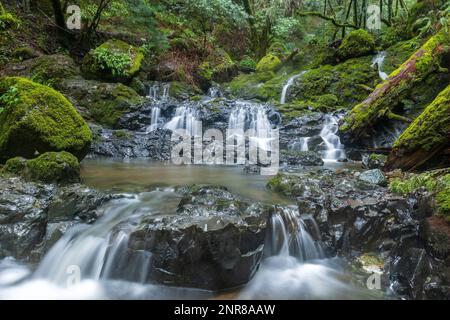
[389, 93]
[426, 138]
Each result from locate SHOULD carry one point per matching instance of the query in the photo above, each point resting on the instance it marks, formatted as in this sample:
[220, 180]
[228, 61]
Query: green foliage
[10, 98]
[116, 62]
[247, 64]
[7, 19]
[439, 186]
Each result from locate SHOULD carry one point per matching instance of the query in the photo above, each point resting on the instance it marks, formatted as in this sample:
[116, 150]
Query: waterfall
[159, 91]
[334, 149]
[378, 60]
[289, 236]
[185, 118]
[250, 116]
[287, 85]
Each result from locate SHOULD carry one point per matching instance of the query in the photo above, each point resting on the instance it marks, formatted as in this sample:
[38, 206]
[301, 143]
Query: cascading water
[159, 93]
[334, 149]
[287, 85]
[185, 118]
[301, 145]
[253, 117]
[378, 61]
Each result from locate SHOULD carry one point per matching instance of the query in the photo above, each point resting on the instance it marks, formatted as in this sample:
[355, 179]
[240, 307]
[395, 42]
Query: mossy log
[388, 94]
[426, 138]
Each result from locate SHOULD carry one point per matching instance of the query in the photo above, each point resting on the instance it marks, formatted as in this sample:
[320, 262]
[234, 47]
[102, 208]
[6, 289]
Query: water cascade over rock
[287, 85]
[378, 61]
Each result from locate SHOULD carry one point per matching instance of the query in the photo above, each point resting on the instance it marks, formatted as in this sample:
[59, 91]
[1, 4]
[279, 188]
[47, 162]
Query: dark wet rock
[306, 126]
[374, 161]
[252, 169]
[304, 158]
[128, 144]
[375, 176]
[215, 241]
[31, 214]
[23, 216]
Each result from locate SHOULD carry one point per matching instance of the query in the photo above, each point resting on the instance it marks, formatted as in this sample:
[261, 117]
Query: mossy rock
[182, 90]
[356, 44]
[348, 82]
[217, 67]
[24, 53]
[105, 103]
[50, 167]
[37, 118]
[269, 62]
[47, 69]
[114, 60]
[247, 64]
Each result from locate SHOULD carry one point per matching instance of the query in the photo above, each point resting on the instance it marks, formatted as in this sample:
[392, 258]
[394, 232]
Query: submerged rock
[214, 241]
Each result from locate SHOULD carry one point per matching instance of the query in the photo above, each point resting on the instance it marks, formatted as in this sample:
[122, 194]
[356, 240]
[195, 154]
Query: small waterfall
[214, 92]
[378, 61]
[334, 149]
[250, 116]
[289, 236]
[185, 118]
[304, 144]
[287, 85]
[159, 91]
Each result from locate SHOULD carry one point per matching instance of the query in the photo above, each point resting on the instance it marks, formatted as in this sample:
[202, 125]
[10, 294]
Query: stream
[294, 264]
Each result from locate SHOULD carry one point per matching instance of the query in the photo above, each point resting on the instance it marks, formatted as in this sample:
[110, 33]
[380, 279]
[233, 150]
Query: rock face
[304, 158]
[127, 144]
[33, 216]
[38, 118]
[357, 217]
[215, 241]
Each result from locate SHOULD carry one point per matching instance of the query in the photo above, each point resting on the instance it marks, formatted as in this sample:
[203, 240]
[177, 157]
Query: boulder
[269, 62]
[375, 176]
[356, 44]
[114, 60]
[374, 161]
[59, 167]
[214, 241]
[36, 118]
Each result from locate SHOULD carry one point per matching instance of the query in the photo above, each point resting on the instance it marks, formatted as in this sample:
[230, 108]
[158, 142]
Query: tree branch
[331, 19]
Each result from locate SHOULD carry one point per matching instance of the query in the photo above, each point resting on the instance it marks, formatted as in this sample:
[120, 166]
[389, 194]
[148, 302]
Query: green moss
[23, 53]
[61, 167]
[41, 119]
[7, 20]
[217, 66]
[122, 134]
[356, 44]
[182, 90]
[430, 130]
[114, 60]
[386, 96]
[437, 185]
[268, 63]
[247, 64]
[15, 166]
[114, 102]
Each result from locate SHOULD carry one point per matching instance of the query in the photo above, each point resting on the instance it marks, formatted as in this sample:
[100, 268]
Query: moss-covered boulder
[50, 167]
[182, 90]
[427, 137]
[36, 118]
[104, 103]
[247, 64]
[217, 67]
[356, 44]
[269, 62]
[114, 60]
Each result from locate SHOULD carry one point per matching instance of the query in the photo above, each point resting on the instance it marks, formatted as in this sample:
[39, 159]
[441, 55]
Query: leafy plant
[9, 98]
[116, 62]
